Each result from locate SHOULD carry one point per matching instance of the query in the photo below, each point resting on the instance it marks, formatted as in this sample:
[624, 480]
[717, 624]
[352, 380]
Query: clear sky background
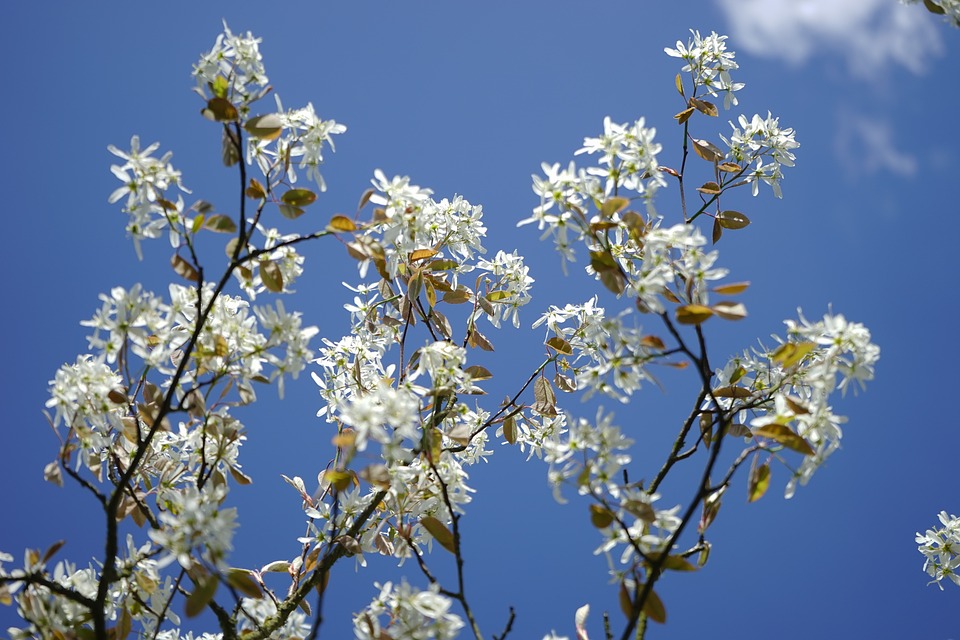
[470, 99]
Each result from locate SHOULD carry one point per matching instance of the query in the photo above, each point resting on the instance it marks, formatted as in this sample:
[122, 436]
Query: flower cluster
[290, 140]
[194, 525]
[792, 384]
[410, 613]
[709, 64]
[763, 141]
[941, 549]
[233, 69]
[628, 158]
[146, 180]
[606, 355]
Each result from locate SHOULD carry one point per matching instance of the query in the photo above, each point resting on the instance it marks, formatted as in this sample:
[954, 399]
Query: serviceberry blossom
[593, 453]
[941, 549]
[510, 286]
[709, 64]
[763, 142]
[236, 61]
[835, 353]
[404, 611]
[194, 525]
[628, 158]
[299, 145]
[608, 356]
[146, 182]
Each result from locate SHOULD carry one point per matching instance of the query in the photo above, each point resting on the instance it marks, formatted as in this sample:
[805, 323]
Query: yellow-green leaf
[439, 532]
[220, 110]
[732, 392]
[733, 220]
[457, 296]
[600, 516]
[340, 479]
[421, 254]
[759, 481]
[202, 595]
[710, 188]
[498, 296]
[693, 314]
[677, 563]
[790, 353]
[266, 127]
[613, 205]
[342, 223]
[299, 197]
[731, 289]
[684, 115]
[220, 223]
[785, 436]
[654, 608]
[271, 276]
[679, 82]
[289, 211]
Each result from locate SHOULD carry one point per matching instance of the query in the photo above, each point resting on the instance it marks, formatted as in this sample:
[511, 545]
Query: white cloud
[870, 34]
[865, 145]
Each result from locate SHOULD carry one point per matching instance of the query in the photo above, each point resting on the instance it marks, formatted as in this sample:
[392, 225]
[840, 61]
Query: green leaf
[498, 296]
[265, 127]
[219, 87]
[733, 220]
[785, 436]
[299, 197]
[678, 81]
[440, 533]
[220, 223]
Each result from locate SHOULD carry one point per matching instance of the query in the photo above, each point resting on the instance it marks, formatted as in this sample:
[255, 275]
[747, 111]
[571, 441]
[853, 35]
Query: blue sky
[470, 99]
